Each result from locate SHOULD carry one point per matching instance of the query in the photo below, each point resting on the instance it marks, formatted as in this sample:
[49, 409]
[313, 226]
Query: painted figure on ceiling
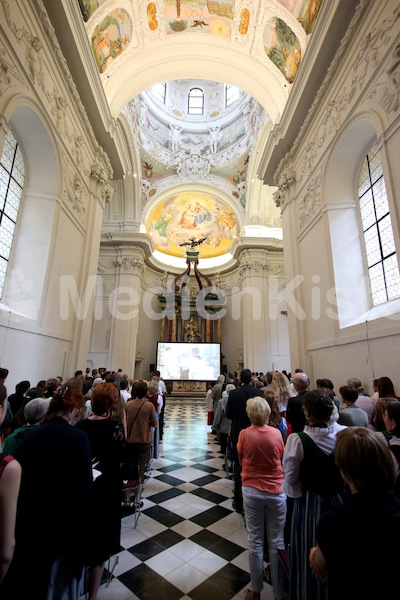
[244, 21]
[151, 16]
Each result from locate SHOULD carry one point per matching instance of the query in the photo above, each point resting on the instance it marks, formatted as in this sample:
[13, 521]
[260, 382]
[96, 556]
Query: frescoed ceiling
[173, 148]
[193, 216]
[176, 147]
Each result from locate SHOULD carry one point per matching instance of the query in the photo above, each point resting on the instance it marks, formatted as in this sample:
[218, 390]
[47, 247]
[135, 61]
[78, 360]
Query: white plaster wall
[319, 199]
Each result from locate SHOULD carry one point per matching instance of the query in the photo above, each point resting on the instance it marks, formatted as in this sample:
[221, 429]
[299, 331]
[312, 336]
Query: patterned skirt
[303, 585]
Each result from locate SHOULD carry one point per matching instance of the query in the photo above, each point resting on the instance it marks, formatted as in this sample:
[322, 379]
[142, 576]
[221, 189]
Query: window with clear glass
[231, 95]
[12, 176]
[196, 102]
[383, 268]
[160, 91]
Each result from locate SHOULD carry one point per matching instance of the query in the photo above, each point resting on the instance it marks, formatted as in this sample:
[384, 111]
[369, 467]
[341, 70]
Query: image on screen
[188, 362]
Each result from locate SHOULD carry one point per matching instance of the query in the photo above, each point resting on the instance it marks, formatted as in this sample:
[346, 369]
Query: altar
[189, 388]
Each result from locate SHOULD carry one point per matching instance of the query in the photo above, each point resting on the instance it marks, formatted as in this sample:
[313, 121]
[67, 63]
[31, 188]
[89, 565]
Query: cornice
[331, 35]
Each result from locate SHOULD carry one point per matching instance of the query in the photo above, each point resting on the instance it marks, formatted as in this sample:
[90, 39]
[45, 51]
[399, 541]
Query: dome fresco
[197, 132]
[182, 217]
[202, 149]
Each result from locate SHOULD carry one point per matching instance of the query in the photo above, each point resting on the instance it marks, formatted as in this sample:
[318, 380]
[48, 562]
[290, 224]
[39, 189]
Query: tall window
[231, 95]
[196, 102]
[380, 248]
[160, 91]
[12, 176]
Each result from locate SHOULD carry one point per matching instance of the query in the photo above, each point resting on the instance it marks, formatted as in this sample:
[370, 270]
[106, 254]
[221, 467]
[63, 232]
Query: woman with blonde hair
[260, 449]
[280, 385]
[276, 419]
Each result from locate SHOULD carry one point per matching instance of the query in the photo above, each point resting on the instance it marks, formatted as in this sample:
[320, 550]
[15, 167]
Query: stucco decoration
[199, 16]
[310, 201]
[305, 11]
[282, 47]
[110, 38]
[193, 215]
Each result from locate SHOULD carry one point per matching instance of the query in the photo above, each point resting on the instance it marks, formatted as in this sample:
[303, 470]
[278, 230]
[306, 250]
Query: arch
[27, 271]
[209, 62]
[37, 147]
[346, 237]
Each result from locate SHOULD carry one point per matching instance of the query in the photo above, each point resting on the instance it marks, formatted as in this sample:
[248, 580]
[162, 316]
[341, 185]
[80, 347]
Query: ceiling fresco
[282, 47]
[172, 147]
[113, 33]
[199, 15]
[210, 17]
[192, 215]
[111, 37]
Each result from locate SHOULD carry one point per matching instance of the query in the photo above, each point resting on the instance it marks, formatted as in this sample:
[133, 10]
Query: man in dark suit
[294, 412]
[236, 411]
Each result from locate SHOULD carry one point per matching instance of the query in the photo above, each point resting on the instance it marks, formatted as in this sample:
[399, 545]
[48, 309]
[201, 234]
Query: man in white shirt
[123, 388]
[162, 390]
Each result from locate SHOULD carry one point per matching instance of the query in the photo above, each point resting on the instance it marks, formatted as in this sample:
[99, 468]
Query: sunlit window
[231, 95]
[196, 102]
[12, 175]
[160, 91]
[380, 248]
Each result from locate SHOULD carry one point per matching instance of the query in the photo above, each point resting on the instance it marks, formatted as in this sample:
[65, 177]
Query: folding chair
[131, 486]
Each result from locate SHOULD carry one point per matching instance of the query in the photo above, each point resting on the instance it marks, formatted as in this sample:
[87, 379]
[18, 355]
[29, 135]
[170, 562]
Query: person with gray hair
[260, 450]
[216, 394]
[34, 411]
[294, 412]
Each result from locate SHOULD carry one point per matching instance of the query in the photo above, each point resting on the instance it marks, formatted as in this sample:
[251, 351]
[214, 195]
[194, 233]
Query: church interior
[198, 174]
[134, 133]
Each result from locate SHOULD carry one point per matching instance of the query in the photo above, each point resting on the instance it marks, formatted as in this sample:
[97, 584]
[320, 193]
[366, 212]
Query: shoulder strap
[387, 435]
[309, 443]
[136, 416]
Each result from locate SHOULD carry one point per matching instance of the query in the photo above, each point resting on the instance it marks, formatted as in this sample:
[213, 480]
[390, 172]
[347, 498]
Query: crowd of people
[316, 477]
[79, 468]
[311, 467]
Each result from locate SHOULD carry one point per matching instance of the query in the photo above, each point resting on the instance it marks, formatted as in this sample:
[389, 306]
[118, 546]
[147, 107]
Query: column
[162, 331]
[254, 309]
[129, 265]
[173, 334]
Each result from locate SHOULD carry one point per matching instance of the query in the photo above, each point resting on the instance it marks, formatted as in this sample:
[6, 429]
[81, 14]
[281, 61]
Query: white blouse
[323, 437]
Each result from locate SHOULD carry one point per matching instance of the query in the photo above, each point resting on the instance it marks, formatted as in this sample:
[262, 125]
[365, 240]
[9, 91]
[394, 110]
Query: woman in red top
[260, 448]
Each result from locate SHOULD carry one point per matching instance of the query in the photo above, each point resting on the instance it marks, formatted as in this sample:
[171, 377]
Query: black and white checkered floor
[188, 542]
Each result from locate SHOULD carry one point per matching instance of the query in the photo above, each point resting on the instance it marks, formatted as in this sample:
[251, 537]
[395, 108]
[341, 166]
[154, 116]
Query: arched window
[160, 91]
[196, 102]
[12, 176]
[379, 242]
[231, 95]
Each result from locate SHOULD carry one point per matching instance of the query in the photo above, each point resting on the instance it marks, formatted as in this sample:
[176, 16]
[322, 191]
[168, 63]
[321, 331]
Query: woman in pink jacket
[260, 449]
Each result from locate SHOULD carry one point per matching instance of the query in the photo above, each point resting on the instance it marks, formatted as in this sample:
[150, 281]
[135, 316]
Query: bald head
[301, 382]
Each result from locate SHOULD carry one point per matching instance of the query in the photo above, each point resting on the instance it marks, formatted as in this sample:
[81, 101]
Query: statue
[191, 331]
